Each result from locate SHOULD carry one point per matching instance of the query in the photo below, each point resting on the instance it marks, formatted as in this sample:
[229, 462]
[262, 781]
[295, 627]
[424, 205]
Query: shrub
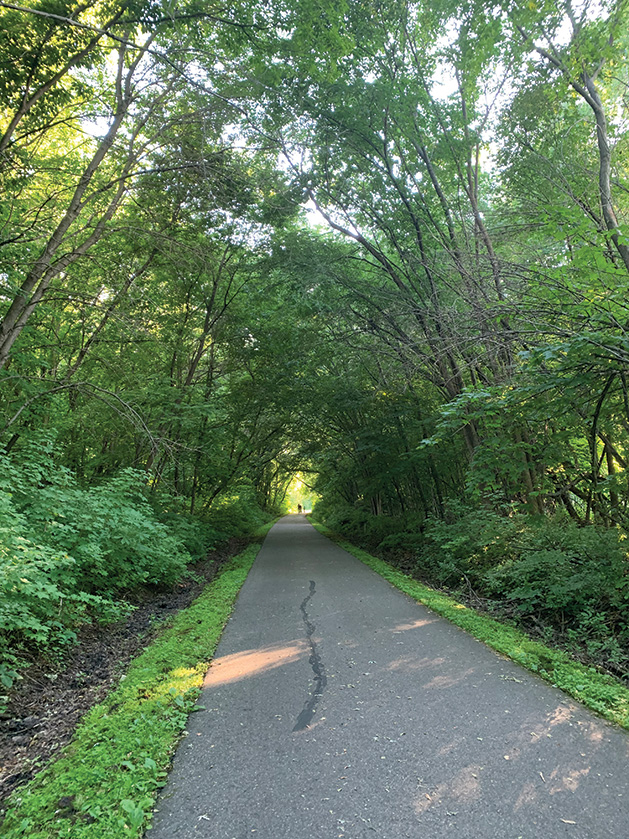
[466, 545]
[196, 536]
[40, 602]
[237, 512]
[563, 571]
[65, 551]
[358, 525]
[68, 551]
[551, 568]
[111, 531]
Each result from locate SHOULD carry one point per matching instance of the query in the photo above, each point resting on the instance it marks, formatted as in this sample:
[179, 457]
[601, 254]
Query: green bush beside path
[105, 784]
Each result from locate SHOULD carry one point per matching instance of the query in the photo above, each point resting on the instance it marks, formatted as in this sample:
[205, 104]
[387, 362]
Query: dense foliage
[383, 244]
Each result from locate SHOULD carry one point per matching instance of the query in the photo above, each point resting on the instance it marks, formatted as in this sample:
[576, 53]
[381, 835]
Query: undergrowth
[70, 553]
[598, 691]
[106, 782]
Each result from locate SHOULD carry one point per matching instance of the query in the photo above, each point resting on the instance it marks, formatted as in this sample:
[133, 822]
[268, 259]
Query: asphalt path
[336, 706]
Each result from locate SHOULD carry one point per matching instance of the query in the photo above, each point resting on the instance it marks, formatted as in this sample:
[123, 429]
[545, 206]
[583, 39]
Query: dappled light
[437, 367]
[434, 373]
[562, 714]
[471, 783]
[518, 762]
[567, 780]
[539, 731]
[451, 747]
[412, 663]
[439, 682]
[417, 624]
[464, 788]
[442, 682]
[248, 663]
[595, 733]
[528, 796]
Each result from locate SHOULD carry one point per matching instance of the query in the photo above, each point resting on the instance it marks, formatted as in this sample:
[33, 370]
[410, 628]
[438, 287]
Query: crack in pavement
[320, 679]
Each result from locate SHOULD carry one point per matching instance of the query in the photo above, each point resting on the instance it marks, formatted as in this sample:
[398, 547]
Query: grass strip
[598, 691]
[105, 784]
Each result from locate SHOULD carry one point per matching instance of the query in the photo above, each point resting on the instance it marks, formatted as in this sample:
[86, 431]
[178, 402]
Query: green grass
[599, 692]
[261, 531]
[106, 782]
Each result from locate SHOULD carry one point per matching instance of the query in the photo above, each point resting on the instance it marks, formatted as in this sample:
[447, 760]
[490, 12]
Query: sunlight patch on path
[242, 665]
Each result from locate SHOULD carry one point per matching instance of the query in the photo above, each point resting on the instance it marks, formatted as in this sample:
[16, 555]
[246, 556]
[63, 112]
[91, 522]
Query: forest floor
[46, 705]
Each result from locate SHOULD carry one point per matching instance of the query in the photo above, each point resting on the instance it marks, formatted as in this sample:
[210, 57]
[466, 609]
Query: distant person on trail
[299, 508]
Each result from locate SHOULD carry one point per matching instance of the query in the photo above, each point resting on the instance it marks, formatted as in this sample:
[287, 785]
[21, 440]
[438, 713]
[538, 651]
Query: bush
[237, 513]
[466, 545]
[110, 531]
[40, 601]
[197, 537]
[563, 572]
[66, 551]
[363, 528]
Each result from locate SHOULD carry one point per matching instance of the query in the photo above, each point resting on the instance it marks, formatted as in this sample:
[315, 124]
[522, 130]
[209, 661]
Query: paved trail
[338, 707]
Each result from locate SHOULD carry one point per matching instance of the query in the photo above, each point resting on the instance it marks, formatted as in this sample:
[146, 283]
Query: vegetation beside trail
[598, 691]
[379, 245]
[71, 554]
[106, 782]
[564, 583]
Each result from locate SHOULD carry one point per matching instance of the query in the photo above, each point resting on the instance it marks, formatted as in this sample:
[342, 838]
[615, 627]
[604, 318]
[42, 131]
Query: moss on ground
[105, 784]
[598, 691]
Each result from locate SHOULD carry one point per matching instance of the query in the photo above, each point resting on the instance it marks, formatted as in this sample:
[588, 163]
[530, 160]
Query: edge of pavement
[105, 782]
[600, 692]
